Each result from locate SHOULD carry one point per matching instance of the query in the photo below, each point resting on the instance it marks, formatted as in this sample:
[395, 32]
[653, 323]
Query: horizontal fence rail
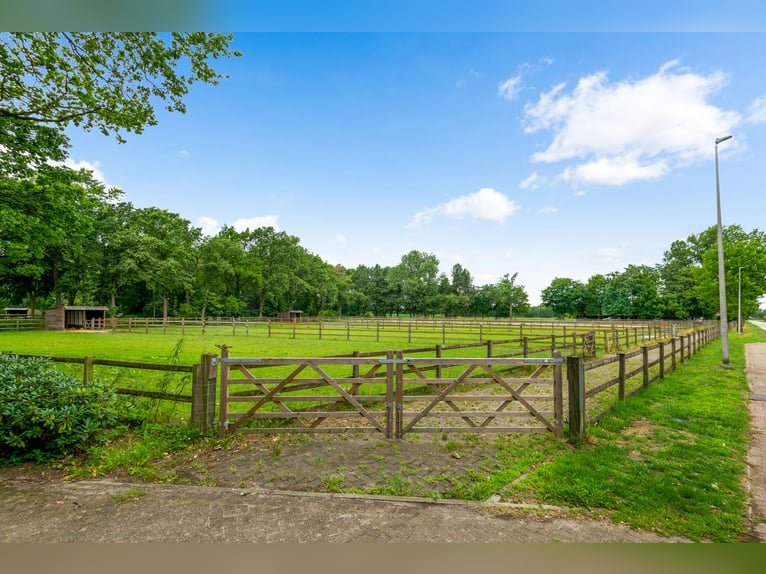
[21, 324]
[595, 388]
[418, 390]
[392, 395]
[575, 337]
[203, 382]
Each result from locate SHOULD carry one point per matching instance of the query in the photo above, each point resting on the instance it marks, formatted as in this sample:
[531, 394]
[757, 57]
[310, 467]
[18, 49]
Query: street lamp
[721, 270]
[739, 300]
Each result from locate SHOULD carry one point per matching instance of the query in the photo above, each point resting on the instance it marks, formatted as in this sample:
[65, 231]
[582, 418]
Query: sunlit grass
[670, 459]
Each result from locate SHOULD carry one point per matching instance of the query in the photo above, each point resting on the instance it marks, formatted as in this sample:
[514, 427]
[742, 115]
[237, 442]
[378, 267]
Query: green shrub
[44, 412]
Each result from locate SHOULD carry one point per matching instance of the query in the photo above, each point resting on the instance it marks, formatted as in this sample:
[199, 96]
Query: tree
[566, 297]
[511, 296]
[690, 272]
[416, 276]
[46, 223]
[108, 81]
[158, 247]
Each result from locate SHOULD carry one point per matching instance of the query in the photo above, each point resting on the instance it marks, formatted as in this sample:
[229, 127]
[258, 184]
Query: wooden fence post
[682, 351]
[645, 357]
[204, 378]
[558, 397]
[662, 360]
[673, 354]
[399, 396]
[621, 376]
[391, 428]
[438, 364]
[87, 375]
[576, 381]
[526, 347]
[224, 393]
[489, 348]
[355, 367]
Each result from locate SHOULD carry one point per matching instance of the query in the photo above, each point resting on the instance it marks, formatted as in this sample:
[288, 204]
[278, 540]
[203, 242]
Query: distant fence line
[10, 323]
[608, 336]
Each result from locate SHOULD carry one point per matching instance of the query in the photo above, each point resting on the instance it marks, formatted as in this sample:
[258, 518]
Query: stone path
[755, 356]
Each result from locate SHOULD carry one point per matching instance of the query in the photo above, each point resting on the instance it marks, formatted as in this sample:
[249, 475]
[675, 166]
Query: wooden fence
[203, 382]
[570, 336]
[595, 388]
[10, 323]
[395, 395]
[392, 396]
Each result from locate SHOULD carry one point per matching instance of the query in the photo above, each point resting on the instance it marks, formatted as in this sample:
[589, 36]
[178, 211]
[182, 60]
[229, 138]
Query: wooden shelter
[289, 316]
[75, 317]
[16, 311]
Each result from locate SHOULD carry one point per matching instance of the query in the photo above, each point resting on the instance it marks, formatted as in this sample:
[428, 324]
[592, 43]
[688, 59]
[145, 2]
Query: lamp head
[722, 139]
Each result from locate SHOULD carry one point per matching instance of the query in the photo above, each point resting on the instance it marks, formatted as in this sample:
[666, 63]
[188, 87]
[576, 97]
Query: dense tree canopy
[684, 286]
[107, 81]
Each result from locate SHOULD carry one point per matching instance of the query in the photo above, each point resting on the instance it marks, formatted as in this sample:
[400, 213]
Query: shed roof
[84, 308]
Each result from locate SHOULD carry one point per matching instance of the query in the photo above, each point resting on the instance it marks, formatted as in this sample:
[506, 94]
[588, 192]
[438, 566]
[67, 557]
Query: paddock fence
[10, 323]
[570, 337]
[394, 394]
[199, 379]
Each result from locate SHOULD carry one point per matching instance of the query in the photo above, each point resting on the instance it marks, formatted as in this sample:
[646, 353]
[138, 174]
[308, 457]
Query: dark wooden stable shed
[16, 311]
[75, 317]
[290, 316]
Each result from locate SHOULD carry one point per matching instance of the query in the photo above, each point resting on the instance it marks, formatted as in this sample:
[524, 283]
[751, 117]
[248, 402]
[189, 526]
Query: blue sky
[543, 154]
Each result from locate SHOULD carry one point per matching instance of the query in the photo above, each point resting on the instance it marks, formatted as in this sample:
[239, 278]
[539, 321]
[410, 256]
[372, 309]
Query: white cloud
[484, 204]
[182, 153]
[618, 132]
[208, 225]
[532, 182]
[548, 209]
[510, 88]
[251, 223]
[341, 239]
[614, 171]
[757, 112]
[94, 167]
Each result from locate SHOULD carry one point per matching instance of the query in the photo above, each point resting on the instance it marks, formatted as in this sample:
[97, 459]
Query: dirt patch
[435, 467]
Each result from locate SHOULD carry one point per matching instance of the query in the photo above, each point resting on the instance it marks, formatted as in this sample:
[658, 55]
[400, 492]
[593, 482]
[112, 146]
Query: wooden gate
[393, 396]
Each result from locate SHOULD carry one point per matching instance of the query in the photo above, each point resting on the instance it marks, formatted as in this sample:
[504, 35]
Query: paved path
[755, 358]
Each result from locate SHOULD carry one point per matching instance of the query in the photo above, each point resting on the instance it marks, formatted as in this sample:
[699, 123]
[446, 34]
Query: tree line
[66, 238]
[683, 286]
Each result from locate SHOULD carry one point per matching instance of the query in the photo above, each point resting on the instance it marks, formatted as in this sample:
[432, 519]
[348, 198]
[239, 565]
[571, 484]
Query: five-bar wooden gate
[393, 395]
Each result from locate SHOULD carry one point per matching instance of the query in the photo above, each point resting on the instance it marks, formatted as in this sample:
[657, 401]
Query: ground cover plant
[45, 412]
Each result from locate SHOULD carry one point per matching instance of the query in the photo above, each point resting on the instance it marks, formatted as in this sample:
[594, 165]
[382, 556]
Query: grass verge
[671, 459]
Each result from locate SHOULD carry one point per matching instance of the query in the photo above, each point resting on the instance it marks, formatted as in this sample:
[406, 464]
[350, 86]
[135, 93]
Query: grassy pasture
[672, 458]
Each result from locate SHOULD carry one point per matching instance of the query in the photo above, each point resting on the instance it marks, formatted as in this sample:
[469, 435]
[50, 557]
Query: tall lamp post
[739, 300]
[721, 270]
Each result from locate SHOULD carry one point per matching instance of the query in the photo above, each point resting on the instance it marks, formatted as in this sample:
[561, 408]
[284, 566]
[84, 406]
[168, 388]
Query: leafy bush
[45, 412]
